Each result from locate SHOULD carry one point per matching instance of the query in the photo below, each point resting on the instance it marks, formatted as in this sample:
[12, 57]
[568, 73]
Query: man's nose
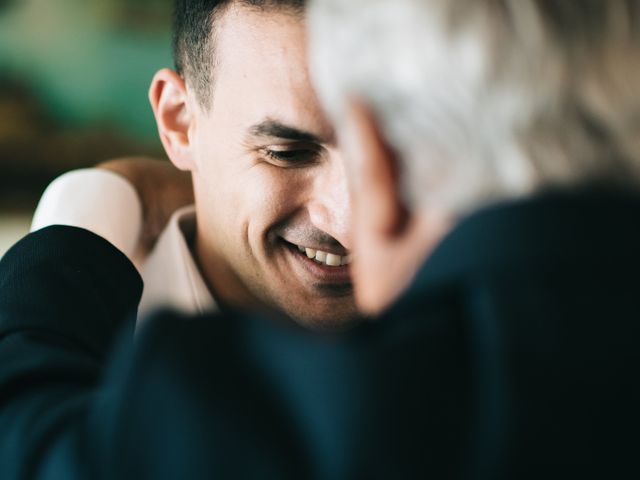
[330, 208]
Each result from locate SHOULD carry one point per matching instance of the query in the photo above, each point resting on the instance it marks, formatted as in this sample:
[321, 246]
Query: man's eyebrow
[275, 129]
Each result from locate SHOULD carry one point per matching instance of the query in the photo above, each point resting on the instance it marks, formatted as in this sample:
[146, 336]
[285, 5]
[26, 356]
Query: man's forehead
[261, 48]
[262, 78]
[244, 23]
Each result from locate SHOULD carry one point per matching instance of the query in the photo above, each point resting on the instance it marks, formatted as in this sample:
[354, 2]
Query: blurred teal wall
[88, 61]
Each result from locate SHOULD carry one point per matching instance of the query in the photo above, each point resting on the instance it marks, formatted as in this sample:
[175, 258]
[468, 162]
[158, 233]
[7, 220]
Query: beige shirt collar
[170, 274]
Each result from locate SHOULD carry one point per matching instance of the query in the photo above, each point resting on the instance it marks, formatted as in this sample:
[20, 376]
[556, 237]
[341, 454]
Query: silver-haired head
[488, 99]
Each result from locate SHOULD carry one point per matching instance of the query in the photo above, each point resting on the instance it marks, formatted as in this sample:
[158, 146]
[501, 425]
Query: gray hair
[488, 99]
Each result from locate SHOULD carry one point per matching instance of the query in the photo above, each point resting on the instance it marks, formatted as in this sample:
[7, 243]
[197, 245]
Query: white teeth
[321, 256]
[333, 260]
[329, 259]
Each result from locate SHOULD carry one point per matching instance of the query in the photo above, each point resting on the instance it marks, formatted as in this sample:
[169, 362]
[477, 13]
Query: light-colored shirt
[170, 274]
[107, 204]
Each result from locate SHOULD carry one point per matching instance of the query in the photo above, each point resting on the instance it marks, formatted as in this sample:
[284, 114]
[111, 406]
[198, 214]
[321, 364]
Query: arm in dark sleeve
[65, 295]
[230, 396]
[184, 401]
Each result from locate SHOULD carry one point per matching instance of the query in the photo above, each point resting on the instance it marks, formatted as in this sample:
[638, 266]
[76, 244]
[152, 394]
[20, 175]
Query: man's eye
[291, 157]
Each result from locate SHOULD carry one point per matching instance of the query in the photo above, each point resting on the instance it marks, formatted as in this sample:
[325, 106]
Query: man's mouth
[326, 268]
[325, 258]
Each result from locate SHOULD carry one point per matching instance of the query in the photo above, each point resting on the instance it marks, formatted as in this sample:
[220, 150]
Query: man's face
[268, 178]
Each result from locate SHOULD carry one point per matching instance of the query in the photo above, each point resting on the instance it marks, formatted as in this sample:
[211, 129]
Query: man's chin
[316, 296]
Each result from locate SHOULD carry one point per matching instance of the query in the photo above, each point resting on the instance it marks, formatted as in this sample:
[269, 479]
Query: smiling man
[271, 203]
[495, 173]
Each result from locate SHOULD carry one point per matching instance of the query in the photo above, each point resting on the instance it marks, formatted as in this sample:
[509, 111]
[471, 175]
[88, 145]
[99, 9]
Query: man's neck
[223, 283]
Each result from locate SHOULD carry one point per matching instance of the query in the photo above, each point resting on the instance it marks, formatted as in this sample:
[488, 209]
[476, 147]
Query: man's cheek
[273, 192]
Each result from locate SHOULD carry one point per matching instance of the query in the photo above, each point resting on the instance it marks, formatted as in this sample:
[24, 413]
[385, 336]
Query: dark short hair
[193, 37]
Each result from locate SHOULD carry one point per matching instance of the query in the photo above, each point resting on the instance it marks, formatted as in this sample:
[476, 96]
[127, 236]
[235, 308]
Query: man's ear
[174, 116]
[378, 166]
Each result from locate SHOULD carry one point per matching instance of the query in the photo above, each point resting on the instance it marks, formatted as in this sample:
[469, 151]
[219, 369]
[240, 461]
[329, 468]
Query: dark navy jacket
[515, 354]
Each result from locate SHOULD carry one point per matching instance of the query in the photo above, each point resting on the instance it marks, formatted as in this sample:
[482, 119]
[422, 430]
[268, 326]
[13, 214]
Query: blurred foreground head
[445, 106]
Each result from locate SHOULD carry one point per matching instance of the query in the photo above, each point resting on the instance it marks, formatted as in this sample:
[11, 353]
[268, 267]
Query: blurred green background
[74, 76]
